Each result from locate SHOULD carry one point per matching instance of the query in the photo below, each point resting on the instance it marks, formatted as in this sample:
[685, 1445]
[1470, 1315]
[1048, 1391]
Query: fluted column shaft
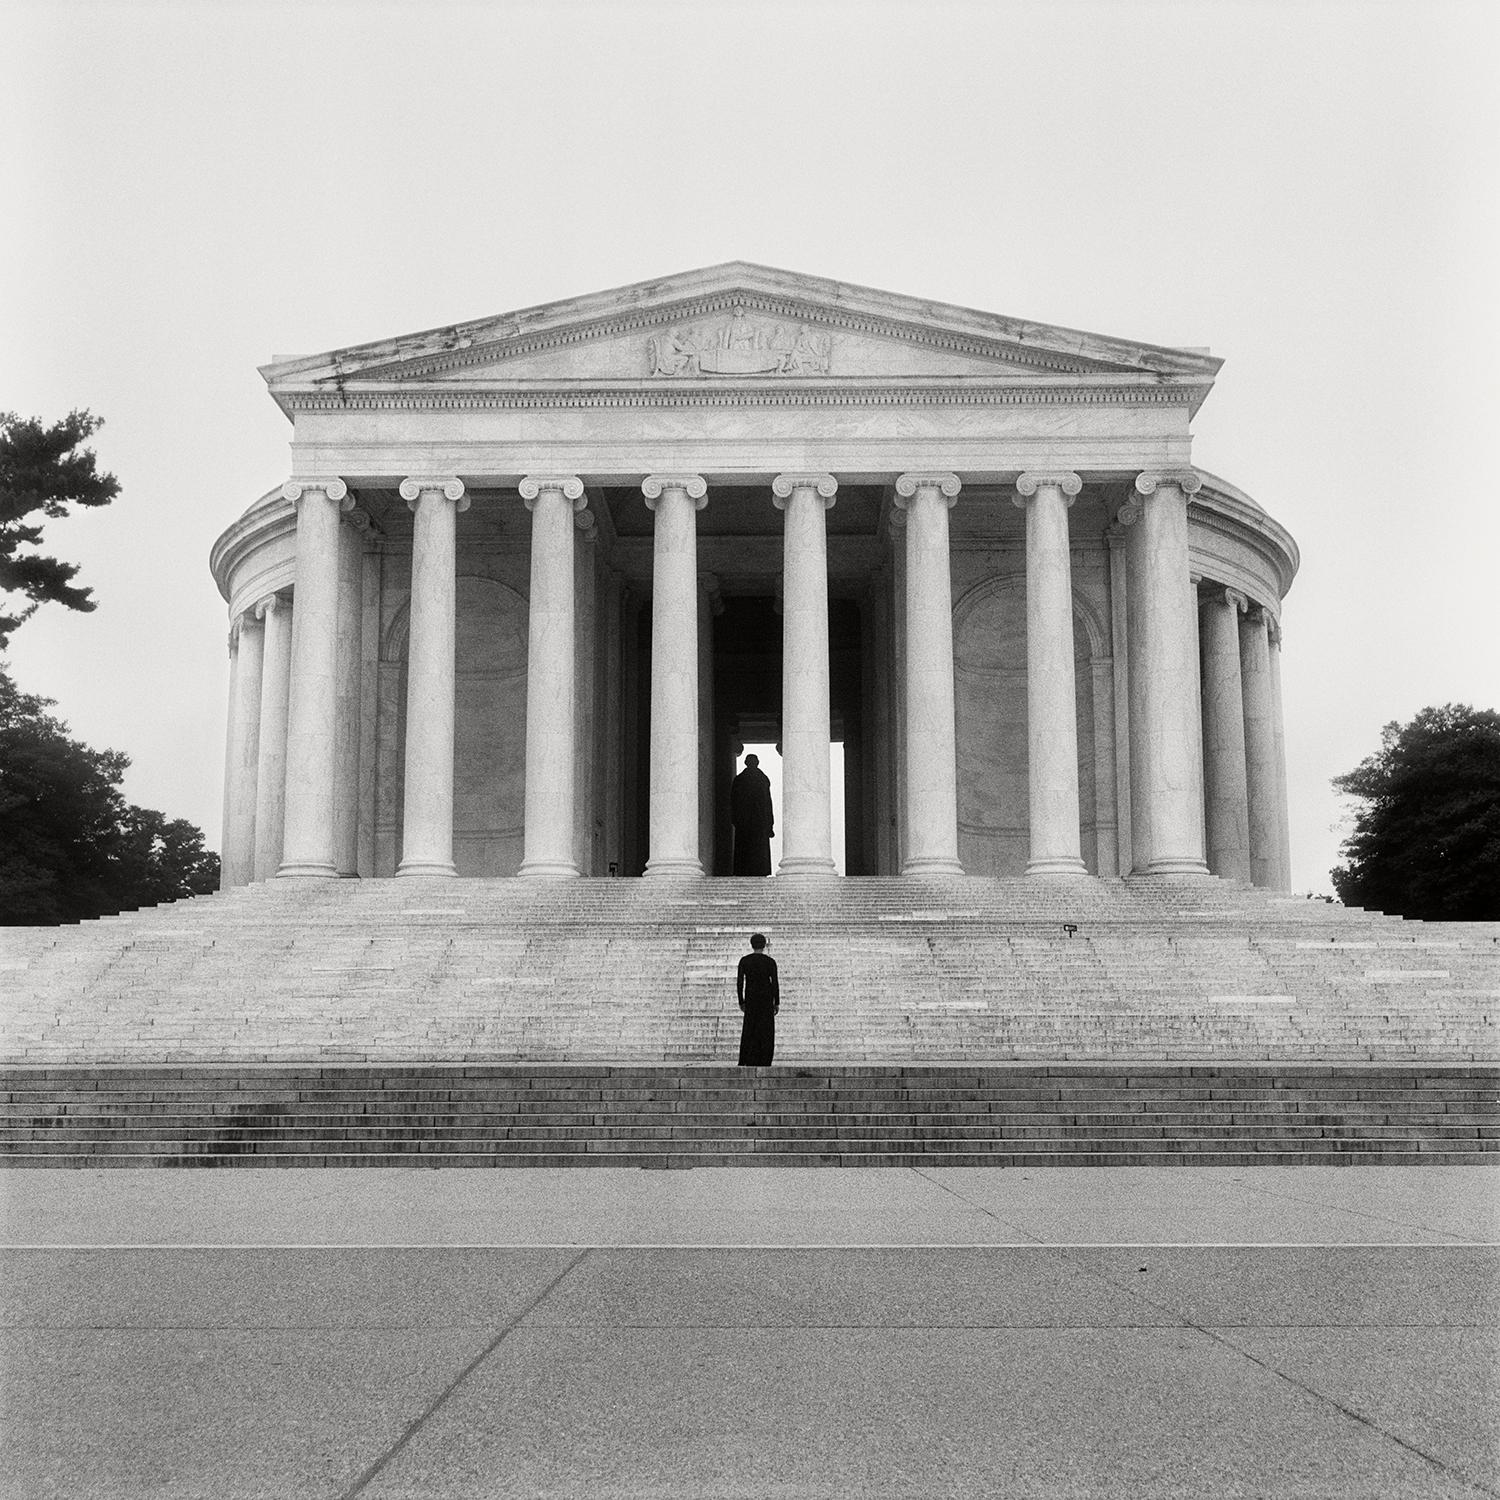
[1283, 881]
[551, 774]
[243, 752]
[710, 603]
[1051, 695]
[1262, 782]
[676, 499]
[275, 613]
[427, 817]
[806, 817]
[1162, 648]
[312, 708]
[931, 739]
[1226, 808]
[347, 727]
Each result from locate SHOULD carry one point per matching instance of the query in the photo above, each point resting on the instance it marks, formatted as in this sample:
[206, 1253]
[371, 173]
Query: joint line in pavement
[432, 1407]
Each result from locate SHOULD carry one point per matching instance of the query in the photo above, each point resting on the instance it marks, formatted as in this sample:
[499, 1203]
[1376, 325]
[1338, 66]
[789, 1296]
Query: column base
[803, 866]
[1176, 865]
[549, 869]
[307, 870]
[1069, 867]
[445, 870]
[931, 865]
[678, 868]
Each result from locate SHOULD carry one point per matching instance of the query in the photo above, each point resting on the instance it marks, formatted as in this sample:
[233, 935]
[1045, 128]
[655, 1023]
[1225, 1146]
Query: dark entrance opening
[747, 713]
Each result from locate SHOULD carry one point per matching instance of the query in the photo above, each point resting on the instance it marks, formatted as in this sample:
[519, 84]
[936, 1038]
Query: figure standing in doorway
[759, 989]
[753, 817]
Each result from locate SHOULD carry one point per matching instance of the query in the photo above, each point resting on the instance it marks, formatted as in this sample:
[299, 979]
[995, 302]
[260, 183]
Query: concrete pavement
[1073, 1332]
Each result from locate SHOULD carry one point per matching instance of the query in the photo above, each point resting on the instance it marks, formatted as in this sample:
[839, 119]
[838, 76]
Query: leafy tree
[1427, 842]
[71, 847]
[43, 471]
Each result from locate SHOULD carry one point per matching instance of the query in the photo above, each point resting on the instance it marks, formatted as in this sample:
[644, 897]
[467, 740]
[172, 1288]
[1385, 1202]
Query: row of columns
[1244, 758]
[289, 683]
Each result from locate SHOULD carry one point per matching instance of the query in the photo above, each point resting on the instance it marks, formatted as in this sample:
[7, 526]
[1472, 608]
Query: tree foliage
[71, 847]
[1427, 842]
[44, 470]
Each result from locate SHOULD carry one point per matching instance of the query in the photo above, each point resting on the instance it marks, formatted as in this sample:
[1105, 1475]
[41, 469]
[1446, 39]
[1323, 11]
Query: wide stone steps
[875, 970]
[580, 1116]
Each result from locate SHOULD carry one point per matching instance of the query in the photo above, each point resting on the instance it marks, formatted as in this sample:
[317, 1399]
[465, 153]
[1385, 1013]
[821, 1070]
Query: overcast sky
[1309, 189]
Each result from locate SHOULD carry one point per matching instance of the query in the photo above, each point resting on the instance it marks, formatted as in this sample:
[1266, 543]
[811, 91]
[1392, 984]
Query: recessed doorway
[770, 763]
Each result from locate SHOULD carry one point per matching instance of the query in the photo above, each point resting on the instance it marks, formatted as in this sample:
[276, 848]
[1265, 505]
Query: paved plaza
[738, 1332]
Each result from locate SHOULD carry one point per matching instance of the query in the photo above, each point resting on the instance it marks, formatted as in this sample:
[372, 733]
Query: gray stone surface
[200, 1411]
[855, 1288]
[749, 1206]
[910, 1412]
[715, 1347]
[430, 1289]
[1332, 1286]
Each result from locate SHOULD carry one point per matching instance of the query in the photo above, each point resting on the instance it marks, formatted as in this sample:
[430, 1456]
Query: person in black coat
[759, 990]
[753, 817]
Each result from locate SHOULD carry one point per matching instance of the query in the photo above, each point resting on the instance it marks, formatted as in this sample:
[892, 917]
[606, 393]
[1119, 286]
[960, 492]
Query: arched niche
[989, 665]
[489, 726]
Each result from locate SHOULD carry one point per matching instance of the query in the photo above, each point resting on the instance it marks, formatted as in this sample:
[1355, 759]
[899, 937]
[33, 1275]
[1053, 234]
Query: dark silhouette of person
[753, 817]
[759, 990]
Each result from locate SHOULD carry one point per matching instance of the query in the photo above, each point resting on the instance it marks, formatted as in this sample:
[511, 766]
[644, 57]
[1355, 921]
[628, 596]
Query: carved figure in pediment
[808, 355]
[740, 334]
[671, 353]
[739, 345]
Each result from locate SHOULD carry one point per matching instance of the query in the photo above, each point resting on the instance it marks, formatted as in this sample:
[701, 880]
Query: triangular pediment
[733, 325]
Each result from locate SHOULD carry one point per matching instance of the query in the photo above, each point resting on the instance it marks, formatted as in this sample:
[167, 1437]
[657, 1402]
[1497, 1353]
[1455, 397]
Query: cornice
[659, 395]
[647, 319]
[816, 301]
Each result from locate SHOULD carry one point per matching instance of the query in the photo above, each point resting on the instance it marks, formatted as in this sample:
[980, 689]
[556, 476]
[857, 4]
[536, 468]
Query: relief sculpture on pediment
[739, 345]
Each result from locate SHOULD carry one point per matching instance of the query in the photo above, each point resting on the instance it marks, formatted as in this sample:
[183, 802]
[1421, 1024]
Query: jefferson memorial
[536, 580]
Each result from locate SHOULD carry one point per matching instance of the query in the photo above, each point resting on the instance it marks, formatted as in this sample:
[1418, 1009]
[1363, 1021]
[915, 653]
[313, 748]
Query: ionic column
[347, 726]
[1051, 696]
[931, 748]
[1263, 785]
[427, 815]
[1284, 840]
[312, 709]
[1226, 808]
[676, 500]
[710, 603]
[242, 752]
[275, 613]
[1164, 669]
[551, 772]
[806, 815]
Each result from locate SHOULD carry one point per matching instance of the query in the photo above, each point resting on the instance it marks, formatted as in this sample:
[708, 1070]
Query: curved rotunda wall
[1233, 544]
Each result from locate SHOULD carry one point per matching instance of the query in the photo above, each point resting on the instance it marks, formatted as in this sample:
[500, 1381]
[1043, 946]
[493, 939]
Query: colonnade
[1207, 780]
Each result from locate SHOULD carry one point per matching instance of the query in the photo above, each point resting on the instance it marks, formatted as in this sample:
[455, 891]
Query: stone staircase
[888, 972]
[542, 1115]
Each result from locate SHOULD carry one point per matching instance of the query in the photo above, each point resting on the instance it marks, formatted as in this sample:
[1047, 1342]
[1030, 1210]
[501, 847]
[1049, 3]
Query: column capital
[694, 486]
[1218, 593]
[1187, 480]
[784, 486]
[1033, 480]
[335, 489]
[449, 487]
[360, 520]
[570, 486]
[908, 486]
[268, 605]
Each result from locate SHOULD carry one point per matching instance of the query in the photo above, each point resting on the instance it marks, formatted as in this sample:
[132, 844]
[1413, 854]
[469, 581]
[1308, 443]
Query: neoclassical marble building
[535, 578]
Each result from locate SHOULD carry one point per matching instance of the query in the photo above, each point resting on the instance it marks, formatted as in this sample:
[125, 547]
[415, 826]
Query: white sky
[1307, 188]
